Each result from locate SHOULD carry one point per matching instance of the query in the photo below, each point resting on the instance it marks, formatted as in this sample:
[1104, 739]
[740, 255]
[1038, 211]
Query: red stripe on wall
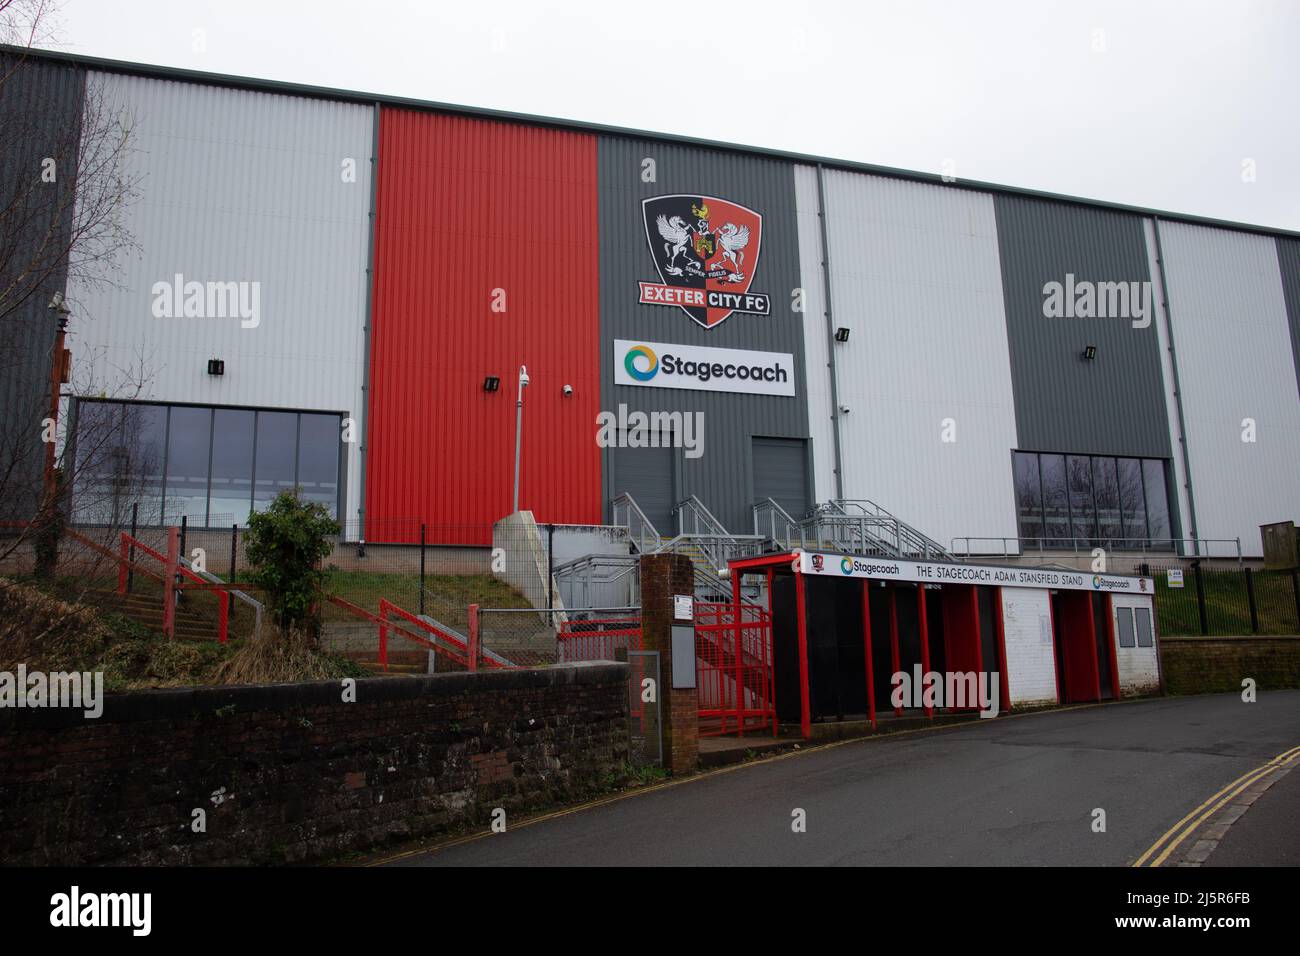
[466, 207]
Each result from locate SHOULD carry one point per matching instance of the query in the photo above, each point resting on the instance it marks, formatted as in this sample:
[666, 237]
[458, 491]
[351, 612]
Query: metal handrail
[626, 503]
[242, 596]
[695, 508]
[1123, 544]
[773, 512]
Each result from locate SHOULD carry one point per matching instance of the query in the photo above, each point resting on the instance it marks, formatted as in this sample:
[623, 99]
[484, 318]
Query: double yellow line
[1180, 831]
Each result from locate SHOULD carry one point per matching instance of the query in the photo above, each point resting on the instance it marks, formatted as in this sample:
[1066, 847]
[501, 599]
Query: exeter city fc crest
[706, 252]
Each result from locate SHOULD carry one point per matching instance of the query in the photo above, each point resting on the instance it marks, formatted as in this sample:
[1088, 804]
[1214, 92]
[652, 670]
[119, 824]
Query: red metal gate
[733, 669]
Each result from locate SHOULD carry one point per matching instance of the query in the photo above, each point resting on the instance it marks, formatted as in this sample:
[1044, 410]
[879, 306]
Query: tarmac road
[1018, 791]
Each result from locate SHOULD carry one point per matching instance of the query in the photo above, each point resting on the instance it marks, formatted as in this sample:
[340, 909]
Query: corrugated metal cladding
[722, 477]
[925, 372]
[246, 187]
[1114, 404]
[1235, 362]
[40, 113]
[468, 207]
[1288, 260]
[821, 409]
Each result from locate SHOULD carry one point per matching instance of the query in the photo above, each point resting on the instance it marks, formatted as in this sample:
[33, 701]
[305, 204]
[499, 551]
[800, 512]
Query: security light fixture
[519, 430]
[60, 309]
[1089, 353]
[216, 367]
[841, 334]
[568, 391]
[491, 383]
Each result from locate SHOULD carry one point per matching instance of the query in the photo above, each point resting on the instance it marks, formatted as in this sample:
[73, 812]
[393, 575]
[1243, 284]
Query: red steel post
[473, 637]
[169, 581]
[800, 608]
[925, 642]
[866, 646]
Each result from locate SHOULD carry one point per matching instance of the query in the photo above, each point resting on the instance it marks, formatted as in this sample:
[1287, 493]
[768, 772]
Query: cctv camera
[568, 390]
[844, 409]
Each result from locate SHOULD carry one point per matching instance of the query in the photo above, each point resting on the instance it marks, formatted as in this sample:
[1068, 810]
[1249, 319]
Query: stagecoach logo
[706, 251]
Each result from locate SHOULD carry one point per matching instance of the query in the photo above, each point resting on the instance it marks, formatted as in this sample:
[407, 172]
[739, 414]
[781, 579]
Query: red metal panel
[961, 628]
[466, 207]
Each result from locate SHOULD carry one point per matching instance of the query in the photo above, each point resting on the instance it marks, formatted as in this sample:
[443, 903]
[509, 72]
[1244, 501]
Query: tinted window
[119, 463]
[189, 440]
[1132, 500]
[232, 467]
[277, 441]
[1110, 525]
[318, 459]
[1153, 473]
[1082, 510]
[1056, 501]
[1029, 495]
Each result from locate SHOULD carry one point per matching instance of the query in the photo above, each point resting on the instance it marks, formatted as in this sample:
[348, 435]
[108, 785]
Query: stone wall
[1204, 665]
[291, 773]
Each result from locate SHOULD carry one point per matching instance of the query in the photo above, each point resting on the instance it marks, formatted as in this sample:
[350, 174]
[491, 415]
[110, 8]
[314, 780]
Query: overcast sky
[1156, 103]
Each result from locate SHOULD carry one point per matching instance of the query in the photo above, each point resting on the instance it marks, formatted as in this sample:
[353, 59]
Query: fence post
[421, 568]
[123, 568]
[1295, 591]
[1200, 598]
[169, 583]
[130, 571]
[383, 633]
[234, 549]
[473, 636]
[1250, 598]
[550, 569]
[183, 552]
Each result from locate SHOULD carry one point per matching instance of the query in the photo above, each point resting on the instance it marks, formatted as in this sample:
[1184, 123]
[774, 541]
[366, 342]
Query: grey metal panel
[721, 476]
[781, 473]
[1114, 404]
[647, 475]
[1288, 260]
[40, 110]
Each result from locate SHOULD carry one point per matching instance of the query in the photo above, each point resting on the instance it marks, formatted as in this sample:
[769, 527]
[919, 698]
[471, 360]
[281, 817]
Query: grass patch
[447, 597]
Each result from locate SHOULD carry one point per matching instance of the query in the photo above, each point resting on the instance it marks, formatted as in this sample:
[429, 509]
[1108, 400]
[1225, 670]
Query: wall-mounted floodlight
[216, 367]
[841, 334]
[1089, 353]
[491, 383]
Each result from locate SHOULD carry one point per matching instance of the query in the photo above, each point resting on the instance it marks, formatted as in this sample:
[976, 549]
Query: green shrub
[285, 546]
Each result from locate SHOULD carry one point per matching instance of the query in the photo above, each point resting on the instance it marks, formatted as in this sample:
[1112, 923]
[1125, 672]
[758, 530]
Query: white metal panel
[1235, 362]
[1139, 667]
[1031, 655]
[1180, 504]
[238, 186]
[915, 276]
[812, 280]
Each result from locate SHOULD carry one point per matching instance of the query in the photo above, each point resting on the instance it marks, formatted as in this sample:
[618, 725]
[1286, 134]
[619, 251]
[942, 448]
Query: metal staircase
[856, 526]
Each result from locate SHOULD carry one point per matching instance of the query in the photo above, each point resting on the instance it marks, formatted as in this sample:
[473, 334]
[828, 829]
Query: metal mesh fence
[1225, 602]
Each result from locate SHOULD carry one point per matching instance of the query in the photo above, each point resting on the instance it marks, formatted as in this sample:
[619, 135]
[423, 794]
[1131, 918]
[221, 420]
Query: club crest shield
[706, 251]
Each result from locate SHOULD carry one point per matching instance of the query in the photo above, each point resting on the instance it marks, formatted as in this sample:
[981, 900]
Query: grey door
[647, 475]
[781, 473]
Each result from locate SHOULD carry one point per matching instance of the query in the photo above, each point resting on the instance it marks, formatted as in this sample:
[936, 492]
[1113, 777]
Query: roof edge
[283, 87]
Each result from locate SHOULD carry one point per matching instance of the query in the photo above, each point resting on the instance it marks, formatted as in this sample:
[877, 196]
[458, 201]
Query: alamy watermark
[38, 689]
[1084, 299]
[181, 299]
[635, 429]
[965, 690]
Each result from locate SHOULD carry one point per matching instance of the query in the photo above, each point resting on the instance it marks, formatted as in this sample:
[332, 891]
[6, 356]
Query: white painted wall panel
[812, 279]
[247, 187]
[1031, 658]
[1234, 362]
[915, 275]
[1139, 667]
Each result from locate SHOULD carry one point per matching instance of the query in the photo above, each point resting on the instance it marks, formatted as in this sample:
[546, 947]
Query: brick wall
[290, 773]
[1202, 665]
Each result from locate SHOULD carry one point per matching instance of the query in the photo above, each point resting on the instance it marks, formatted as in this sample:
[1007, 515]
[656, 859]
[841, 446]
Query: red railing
[599, 639]
[733, 669]
[167, 576]
[468, 654]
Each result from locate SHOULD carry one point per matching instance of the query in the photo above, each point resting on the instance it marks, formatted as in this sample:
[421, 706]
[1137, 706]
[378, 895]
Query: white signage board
[701, 368]
[1175, 577]
[933, 572]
